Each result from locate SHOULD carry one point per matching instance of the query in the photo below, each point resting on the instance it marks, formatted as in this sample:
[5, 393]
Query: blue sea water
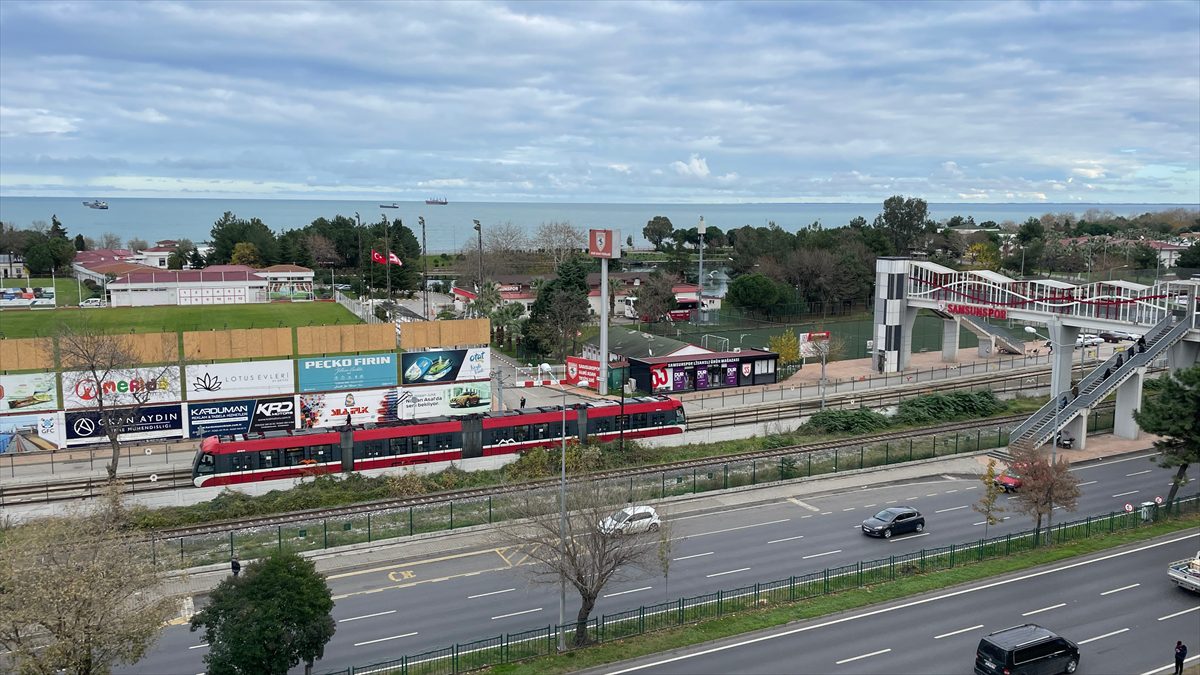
[449, 227]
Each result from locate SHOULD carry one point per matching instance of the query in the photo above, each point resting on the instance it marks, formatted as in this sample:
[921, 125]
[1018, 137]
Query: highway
[415, 605]
[1117, 606]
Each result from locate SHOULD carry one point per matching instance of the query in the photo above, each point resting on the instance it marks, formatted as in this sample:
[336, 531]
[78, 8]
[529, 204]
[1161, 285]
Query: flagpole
[387, 243]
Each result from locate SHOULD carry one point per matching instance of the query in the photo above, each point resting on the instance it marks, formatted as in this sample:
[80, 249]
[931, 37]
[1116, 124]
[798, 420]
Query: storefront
[675, 374]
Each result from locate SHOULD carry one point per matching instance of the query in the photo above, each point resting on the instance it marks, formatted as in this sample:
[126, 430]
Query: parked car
[1009, 480]
[1088, 340]
[894, 520]
[1028, 648]
[92, 302]
[632, 520]
[1117, 336]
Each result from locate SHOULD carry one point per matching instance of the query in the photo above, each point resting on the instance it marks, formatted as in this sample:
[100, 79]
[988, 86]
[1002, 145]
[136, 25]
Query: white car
[1088, 340]
[632, 520]
[92, 302]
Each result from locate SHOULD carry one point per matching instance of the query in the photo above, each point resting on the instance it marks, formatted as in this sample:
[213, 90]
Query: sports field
[66, 291]
[34, 323]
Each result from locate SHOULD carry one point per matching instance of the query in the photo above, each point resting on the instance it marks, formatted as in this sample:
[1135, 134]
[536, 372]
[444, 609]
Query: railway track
[87, 488]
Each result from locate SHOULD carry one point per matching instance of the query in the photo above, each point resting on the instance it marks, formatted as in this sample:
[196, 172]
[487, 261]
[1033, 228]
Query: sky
[606, 102]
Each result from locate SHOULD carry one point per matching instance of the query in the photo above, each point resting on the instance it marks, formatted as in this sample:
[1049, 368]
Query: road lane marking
[1170, 665]
[394, 637]
[710, 514]
[635, 590]
[904, 605]
[1101, 637]
[1172, 616]
[732, 529]
[367, 616]
[484, 595]
[528, 611]
[956, 632]
[776, 541]
[1113, 461]
[199, 646]
[1122, 494]
[721, 574]
[1118, 590]
[952, 509]
[427, 561]
[892, 502]
[951, 491]
[984, 521]
[1045, 609]
[867, 506]
[864, 656]
[849, 509]
[1090, 482]
[689, 557]
[818, 555]
[808, 516]
[827, 513]
[1138, 473]
[801, 504]
[971, 487]
[911, 536]
[934, 494]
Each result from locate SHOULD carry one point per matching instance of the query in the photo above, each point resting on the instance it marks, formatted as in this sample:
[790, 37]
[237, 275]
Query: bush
[859, 421]
[941, 408]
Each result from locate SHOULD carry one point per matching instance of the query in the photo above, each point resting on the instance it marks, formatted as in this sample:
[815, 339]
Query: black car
[1027, 649]
[894, 520]
[1114, 336]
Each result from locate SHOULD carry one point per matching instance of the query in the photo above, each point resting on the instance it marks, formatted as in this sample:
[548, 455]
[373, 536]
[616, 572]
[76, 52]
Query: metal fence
[318, 534]
[542, 641]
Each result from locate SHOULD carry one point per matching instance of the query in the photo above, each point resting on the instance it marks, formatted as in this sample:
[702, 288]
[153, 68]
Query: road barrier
[543, 641]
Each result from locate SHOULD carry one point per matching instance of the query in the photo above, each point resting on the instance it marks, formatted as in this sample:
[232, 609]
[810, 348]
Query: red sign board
[973, 310]
[822, 335]
[604, 244]
[582, 372]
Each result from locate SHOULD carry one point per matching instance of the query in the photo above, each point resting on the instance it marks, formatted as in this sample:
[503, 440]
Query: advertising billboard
[124, 387]
[445, 365]
[583, 372]
[27, 433]
[28, 393]
[445, 400]
[243, 416]
[209, 381]
[340, 373]
[361, 407]
[151, 421]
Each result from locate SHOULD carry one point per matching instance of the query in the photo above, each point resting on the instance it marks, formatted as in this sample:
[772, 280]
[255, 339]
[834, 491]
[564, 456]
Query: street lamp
[562, 506]
[1053, 395]
[479, 229]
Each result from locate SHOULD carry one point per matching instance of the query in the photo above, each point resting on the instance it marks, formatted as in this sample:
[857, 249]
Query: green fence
[510, 647]
[391, 523]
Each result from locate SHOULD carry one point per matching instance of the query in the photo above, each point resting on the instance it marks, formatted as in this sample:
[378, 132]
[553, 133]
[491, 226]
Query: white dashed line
[199, 646]
[956, 632]
[911, 536]
[1137, 473]
[776, 541]
[635, 590]
[367, 616]
[864, 656]
[740, 527]
[1045, 609]
[721, 574]
[689, 557]
[505, 616]
[1122, 494]
[394, 637]
[849, 509]
[801, 504]
[484, 595]
[956, 508]
[818, 555]
[1118, 590]
[1172, 616]
[1090, 482]
[1101, 637]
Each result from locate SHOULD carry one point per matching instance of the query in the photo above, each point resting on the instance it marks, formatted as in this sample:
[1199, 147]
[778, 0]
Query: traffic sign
[1128, 507]
[148, 451]
[1158, 500]
[153, 478]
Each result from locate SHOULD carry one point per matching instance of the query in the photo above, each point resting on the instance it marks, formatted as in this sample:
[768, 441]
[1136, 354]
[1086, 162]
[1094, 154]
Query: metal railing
[543, 641]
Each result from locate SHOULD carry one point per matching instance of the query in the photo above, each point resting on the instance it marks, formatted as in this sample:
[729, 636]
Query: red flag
[376, 256]
[394, 259]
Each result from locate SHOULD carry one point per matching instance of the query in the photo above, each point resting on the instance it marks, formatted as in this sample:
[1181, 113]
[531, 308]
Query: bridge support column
[1063, 337]
[949, 340]
[908, 320]
[1129, 399]
[1077, 429]
[893, 320]
[1183, 355]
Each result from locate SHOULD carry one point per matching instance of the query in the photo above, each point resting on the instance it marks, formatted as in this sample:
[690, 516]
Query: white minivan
[92, 302]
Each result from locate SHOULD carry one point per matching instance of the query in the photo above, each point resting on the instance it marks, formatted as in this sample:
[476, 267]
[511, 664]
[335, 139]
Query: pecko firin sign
[341, 373]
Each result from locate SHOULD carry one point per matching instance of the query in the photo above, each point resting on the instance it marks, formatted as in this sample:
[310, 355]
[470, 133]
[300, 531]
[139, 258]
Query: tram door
[472, 436]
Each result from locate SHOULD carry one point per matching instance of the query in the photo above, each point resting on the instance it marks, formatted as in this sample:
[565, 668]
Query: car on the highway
[894, 520]
[1028, 648]
[1009, 480]
[632, 520]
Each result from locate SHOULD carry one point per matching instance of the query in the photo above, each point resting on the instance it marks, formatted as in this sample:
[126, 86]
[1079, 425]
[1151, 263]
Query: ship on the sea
[393, 205]
[435, 200]
[96, 204]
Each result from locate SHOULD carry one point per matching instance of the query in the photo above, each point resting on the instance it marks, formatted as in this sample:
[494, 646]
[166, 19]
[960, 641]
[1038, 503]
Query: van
[92, 302]
[1027, 649]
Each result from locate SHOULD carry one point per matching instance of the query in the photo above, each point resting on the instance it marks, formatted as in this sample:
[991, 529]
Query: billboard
[446, 365]
[28, 393]
[122, 387]
[362, 407]
[604, 243]
[242, 416]
[209, 381]
[583, 372]
[151, 421]
[29, 433]
[445, 400]
[340, 373]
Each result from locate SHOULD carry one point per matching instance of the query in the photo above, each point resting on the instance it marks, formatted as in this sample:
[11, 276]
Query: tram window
[242, 461]
[420, 443]
[541, 431]
[639, 420]
[268, 459]
[293, 456]
[443, 441]
[680, 418]
[657, 419]
[373, 448]
[207, 464]
[602, 425]
[520, 433]
[400, 445]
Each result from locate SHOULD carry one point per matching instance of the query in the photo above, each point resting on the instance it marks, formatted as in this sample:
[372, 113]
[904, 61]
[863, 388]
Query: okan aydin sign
[338, 373]
[130, 387]
[152, 421]
[446, 365]
[210, 381]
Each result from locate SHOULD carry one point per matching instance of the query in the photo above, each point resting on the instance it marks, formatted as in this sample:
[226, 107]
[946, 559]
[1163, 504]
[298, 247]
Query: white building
[216, 285]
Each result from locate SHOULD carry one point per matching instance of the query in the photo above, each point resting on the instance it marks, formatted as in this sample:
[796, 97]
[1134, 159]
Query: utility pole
[425, 272]
[700, 313]
[387, 243]
[479, 229]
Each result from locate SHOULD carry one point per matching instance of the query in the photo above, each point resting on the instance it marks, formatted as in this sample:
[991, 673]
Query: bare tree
[322, 250]
[655, 297]
[110, 240]
[102, 372]
[588, 555]
[986, 506]
[826, 351]
[506, 250]
[137, 244]
[1045, 485]
[559, 240]
[80, 595]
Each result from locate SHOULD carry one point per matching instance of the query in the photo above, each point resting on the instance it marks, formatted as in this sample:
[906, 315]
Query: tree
[1174, 414]
[655, 297]
[1045, 485]
[80, 243]
[195, 260]
[985, 254]
[57, 231]
[505, 251]
[559, 240]
[322, 251]
[109, 240]
[755, 292]
[486, 300]
[102, 369]
[657, 229]
[586, 555]
[786, 345]
[902, 220]
[987, 506]
[80, 594]
[229, 230]
[1031, 230]
[506, 319]
[1189, 258]
[824, 351]
[245, 253]
[269, 619]
[1142, 257]
[137, 244]
[180, 256]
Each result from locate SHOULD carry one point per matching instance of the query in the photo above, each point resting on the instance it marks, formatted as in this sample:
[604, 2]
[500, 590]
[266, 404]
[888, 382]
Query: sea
[450, 228]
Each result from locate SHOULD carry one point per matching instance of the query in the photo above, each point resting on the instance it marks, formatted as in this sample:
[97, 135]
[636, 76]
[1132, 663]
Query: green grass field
[66, 291]
[26, 323]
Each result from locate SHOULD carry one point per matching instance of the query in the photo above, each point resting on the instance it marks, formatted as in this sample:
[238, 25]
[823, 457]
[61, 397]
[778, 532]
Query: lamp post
[479, 229]
[562, 507]
[425, 272]
[1053, 396]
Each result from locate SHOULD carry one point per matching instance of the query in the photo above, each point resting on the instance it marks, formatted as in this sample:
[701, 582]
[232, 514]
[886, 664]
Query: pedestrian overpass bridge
[1166, 314]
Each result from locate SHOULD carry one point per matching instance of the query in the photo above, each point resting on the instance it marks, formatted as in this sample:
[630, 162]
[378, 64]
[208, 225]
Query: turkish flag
[376, 256]
[395, 259]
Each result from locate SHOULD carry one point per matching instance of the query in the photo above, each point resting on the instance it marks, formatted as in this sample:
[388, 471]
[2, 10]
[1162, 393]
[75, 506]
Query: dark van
[1028, 649]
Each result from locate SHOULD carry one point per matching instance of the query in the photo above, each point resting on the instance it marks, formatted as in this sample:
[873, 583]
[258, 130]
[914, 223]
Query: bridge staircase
[1040, 428]
[1006, 341]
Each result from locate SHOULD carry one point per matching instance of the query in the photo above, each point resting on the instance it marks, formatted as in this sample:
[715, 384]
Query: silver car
[632, 520]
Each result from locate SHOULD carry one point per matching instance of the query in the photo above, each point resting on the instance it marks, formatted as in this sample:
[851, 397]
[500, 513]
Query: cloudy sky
[603, 101]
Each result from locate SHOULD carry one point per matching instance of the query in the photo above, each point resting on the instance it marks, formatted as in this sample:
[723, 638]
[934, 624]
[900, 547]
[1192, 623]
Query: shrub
[858, 421]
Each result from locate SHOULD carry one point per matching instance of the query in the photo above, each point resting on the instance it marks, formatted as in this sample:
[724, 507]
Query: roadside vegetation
[30, 323]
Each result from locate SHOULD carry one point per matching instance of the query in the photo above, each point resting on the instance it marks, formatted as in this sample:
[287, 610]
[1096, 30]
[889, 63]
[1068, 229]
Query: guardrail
[437, 516]
[511, 647]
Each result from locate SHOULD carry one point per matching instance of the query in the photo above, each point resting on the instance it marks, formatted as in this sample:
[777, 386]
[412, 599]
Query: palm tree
[487, 300]
[506, 319]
